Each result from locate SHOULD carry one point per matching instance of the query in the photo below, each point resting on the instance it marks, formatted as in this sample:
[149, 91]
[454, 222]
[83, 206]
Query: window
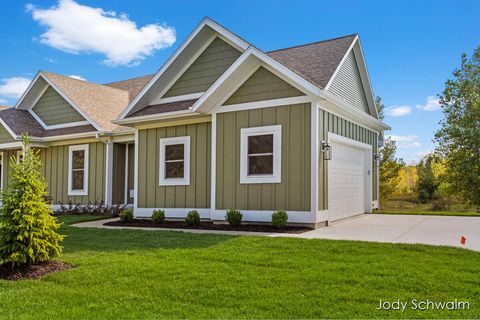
[260, 151]
[174, 161]
[78, 170]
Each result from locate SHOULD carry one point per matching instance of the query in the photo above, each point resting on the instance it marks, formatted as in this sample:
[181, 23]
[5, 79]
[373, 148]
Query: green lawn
[157, 274]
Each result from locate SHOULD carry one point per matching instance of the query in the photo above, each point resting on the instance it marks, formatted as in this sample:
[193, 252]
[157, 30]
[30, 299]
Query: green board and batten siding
[205, 70]
[195, 195]
[5, 137]
[293, 193]
[53, 109]
[263, 85]
[331, 123]
[55, 170]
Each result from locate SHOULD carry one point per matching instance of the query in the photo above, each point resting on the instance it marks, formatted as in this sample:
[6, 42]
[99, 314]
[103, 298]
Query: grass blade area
[127, 274]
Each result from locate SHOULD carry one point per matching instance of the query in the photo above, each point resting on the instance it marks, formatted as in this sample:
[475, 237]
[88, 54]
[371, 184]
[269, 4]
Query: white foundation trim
[266, 216]
[172, 212]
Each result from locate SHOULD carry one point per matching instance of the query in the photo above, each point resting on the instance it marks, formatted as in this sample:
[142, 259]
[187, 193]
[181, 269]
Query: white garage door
[346, 181]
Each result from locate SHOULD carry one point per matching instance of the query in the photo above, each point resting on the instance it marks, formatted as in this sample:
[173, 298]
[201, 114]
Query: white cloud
[431, 104]
[3, 101]
[13, 87]
[409, 141]
[76, 28]
[74, 76]
[398, 111]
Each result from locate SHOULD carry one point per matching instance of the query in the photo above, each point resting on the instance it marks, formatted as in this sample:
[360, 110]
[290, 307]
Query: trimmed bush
[28, 229]
[126, 215]
[279, 219]
[193, 218]
[158, 216]
[234, 217]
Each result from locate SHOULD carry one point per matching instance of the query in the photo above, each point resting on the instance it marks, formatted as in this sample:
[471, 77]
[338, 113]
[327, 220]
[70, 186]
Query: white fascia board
[342, 109]
[305, 85]
[19, 101]
[205, 22]
[366, 81]
[18, 144]
[73, 104]
[350, 48]
[10, 131]
[157, 116]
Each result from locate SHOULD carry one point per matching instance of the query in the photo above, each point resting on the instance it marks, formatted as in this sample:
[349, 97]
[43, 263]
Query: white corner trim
[2, 165]
[135, 174]
[314, 161]
[239, 43]
[73, 104]
[183, 97]
[163, 180]
[264, 104]
[245, 133]
[108, 172]
[329, 83]
[126, 195]
[213, 164]
[72, 148]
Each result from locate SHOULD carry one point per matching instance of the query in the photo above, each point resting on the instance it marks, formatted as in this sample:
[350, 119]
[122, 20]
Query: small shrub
[158, 216]
[234, 217]
[440, 205]
[126, 215]
[193, 218]
[279, 219]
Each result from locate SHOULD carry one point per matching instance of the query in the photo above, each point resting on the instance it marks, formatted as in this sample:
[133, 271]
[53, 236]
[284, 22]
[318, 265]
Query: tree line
[452, 171]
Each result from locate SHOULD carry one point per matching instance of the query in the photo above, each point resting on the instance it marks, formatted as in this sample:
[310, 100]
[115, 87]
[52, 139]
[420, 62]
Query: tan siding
[206, 69]
[347, 84]
[293, 193]
[118, 174]
[5, 137]
[263, 85]
[53, 109]
[331, 123]
[195, 195]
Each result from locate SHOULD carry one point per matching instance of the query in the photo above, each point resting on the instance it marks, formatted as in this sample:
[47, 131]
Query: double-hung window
[78, 170]
[174, 161]
[260, 151]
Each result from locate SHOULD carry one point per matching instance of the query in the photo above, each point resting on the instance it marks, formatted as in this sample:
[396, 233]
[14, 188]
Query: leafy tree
[380, 107]
[389, 169]
[427, 183]
[28, 229]
[459, 136]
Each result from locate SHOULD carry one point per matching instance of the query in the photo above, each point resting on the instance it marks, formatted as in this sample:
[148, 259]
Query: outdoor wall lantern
[377, 158]
[327, 151]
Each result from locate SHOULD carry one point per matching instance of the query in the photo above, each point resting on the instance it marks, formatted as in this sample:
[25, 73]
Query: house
[221, 125]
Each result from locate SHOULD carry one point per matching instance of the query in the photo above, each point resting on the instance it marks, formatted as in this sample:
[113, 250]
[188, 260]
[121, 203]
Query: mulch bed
[146, 223]
[32, 271]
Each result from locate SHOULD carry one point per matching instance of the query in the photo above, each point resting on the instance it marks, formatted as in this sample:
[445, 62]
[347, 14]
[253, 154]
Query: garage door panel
[346, 181]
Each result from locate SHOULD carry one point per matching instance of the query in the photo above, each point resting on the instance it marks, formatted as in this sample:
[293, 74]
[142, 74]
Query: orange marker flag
[463, 240]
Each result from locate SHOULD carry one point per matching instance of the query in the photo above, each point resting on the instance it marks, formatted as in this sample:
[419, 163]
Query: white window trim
[277, 154]
[185, 181]
[83, 192]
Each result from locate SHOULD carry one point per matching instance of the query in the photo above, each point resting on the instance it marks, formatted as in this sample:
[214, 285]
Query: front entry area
[123, 173]
[349, 178]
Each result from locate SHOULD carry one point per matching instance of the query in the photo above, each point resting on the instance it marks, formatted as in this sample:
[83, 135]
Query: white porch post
[108, 172]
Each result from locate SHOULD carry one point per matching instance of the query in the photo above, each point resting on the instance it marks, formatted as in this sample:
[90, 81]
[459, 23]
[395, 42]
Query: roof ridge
[129, 79]
[315, 42]
[82, 81]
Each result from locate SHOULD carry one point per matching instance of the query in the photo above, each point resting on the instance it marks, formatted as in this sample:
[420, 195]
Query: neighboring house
[221, 125]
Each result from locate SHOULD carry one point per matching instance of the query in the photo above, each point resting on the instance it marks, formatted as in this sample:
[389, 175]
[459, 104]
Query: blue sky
[411, 47]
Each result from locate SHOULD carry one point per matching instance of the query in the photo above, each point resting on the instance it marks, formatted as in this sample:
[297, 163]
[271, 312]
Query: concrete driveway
[433, 230]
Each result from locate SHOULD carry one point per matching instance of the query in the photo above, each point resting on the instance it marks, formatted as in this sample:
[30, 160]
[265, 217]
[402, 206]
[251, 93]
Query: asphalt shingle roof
[316, 62]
